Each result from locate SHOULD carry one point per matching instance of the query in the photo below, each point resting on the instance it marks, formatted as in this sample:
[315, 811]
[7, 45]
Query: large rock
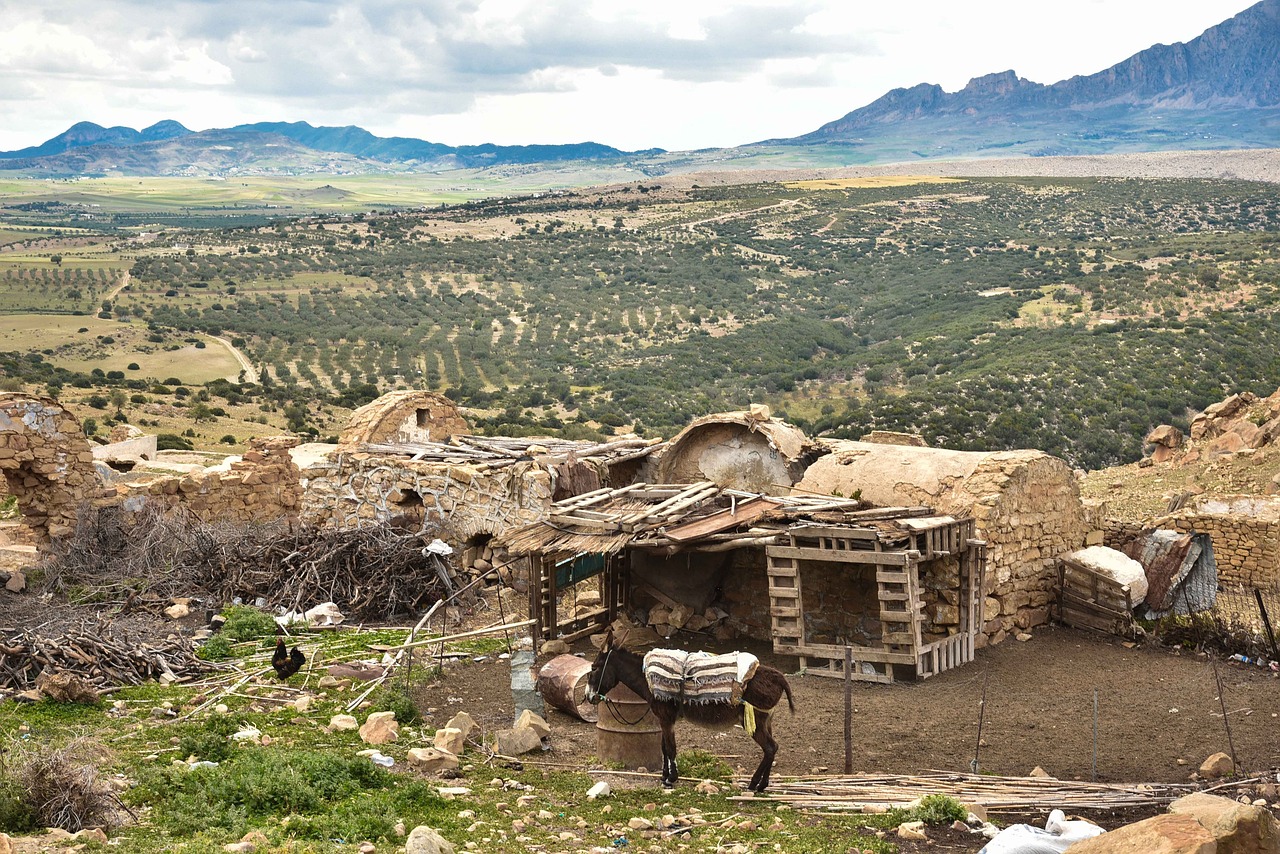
[513, 742]
[380, 728]
[450, 739]
[432, 759]
[530, 719]
[1239, 828]
[427, 840]
[1164, 834]
[1216, 766]
[464, 722]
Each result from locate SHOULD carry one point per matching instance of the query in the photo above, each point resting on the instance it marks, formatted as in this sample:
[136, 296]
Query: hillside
[1068, 314]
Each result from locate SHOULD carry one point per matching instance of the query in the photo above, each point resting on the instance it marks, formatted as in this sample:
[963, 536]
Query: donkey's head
[604, 670]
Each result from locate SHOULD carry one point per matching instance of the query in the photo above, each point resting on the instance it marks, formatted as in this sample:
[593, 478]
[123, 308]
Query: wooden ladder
[785, 613]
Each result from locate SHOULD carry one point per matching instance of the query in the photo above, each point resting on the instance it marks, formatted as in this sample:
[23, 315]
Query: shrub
[228, 439]
[170, 442]
[246, 623]
[60, 787]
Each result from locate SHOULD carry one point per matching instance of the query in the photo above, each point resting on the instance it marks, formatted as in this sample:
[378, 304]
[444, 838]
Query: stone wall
[47, 464]
[353, 489]
[262, 486]
[1245, 530]
[1026, 505]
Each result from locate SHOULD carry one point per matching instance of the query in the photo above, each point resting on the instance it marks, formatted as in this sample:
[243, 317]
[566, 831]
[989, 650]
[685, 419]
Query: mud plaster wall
[737, 451]
[1026, 505]
[355, 489]
[404, 416]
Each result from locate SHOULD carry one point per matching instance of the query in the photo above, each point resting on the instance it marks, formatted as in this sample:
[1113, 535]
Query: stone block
[1163, 834]
[380, 728]
[531, 720]
[513, 742]
[432, 760]
[450, 739]
[1238, 828]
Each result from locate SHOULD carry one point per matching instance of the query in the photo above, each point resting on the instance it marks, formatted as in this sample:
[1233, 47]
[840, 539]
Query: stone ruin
[1026, 505]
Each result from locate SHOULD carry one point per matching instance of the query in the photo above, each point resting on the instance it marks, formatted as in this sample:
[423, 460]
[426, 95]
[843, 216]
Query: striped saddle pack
[698, 677]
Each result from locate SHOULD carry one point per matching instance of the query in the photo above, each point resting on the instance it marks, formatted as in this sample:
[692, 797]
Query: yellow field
[870, 181]
[82, 351]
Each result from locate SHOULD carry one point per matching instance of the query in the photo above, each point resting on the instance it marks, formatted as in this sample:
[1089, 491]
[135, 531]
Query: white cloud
[631, 73]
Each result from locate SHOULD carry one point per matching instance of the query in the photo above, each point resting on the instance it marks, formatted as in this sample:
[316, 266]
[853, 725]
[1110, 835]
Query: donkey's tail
[786, 686]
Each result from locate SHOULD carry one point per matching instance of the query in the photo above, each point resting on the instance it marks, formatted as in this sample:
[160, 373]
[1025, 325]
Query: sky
[634, 74]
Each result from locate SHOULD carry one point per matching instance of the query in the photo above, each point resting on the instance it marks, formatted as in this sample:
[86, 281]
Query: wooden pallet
[1091, 600]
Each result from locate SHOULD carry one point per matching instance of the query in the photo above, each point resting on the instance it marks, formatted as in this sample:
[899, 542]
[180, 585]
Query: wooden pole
[848, 710]
[1095, 735]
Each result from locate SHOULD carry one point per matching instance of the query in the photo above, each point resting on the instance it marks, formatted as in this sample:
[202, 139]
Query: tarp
[1182, 574]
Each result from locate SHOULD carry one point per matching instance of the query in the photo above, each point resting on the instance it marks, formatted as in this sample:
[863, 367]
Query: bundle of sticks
[97, 655]
[371, 573]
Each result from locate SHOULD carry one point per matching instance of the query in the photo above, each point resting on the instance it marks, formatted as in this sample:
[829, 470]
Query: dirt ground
[1158, 718]
[1158, 713]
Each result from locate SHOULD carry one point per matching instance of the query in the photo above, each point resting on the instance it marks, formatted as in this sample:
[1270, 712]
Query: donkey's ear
[608, 639]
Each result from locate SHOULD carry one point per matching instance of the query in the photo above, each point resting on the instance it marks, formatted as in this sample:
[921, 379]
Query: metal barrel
[562, 682]
[627, 732]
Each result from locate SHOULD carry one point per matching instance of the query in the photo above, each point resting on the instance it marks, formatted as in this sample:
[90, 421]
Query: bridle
[612, 705]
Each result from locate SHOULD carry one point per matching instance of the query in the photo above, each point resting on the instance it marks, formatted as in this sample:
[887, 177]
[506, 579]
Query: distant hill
[1220, 90]
[168, 148]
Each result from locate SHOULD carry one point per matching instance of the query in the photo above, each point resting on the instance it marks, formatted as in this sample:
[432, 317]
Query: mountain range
[1220, 90]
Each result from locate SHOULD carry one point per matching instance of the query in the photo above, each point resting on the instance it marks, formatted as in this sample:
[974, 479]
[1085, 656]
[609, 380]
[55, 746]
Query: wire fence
[1243, 623]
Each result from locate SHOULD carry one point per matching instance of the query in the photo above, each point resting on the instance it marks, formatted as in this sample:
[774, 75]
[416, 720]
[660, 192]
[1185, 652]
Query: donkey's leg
[670, 773]
[764, 737]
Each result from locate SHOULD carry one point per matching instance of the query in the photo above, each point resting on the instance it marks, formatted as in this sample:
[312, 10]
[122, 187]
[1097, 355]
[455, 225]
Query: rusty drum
[627, 732]
[562, 682]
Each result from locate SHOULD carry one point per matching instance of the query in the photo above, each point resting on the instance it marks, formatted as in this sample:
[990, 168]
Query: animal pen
[899, 587]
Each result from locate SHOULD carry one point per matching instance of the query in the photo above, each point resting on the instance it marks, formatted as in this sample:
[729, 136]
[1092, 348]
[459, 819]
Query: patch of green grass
[245, 623]
[702, 765]
[323, 796]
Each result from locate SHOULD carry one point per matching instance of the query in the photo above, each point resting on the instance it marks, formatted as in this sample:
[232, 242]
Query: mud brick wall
[262, 486]
[354, 489]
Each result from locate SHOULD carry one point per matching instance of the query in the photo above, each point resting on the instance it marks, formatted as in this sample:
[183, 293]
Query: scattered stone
[427, 840]
[380, 728]
[531, 720]
[6, 844]
[464, 722]
[912, 830]
[555, 646]
[339, 723]
[706, 787]
[1022, 636]
[302, 703]
[449, 739]
[17, 581]
[638, 823]
[1217, 766]
[177, 611]
[1040, 772]
[513, 742]
[599, 790]
[90, 834]
[432, 760]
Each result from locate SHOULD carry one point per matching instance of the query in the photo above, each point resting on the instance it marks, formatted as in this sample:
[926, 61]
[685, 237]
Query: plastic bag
[1056, 837]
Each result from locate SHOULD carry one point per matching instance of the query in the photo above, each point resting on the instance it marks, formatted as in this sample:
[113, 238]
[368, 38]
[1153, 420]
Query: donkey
[760, 696]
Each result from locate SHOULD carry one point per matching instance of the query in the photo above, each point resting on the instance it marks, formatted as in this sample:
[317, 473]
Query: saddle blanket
[698, 677]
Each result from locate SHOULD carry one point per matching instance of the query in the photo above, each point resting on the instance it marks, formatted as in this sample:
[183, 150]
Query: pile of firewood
[99, 656]
[371, 573]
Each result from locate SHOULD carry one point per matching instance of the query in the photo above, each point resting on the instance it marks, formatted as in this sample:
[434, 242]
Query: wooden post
[848, 710]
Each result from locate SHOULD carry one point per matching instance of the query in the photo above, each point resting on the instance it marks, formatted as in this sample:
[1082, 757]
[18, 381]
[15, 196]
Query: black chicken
[286, 662]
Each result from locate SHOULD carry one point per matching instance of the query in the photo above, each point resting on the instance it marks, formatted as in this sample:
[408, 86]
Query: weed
[321, 795]
[701, 765]
[216, 648]
[246, 623]
[60, 787]
[209, 741]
